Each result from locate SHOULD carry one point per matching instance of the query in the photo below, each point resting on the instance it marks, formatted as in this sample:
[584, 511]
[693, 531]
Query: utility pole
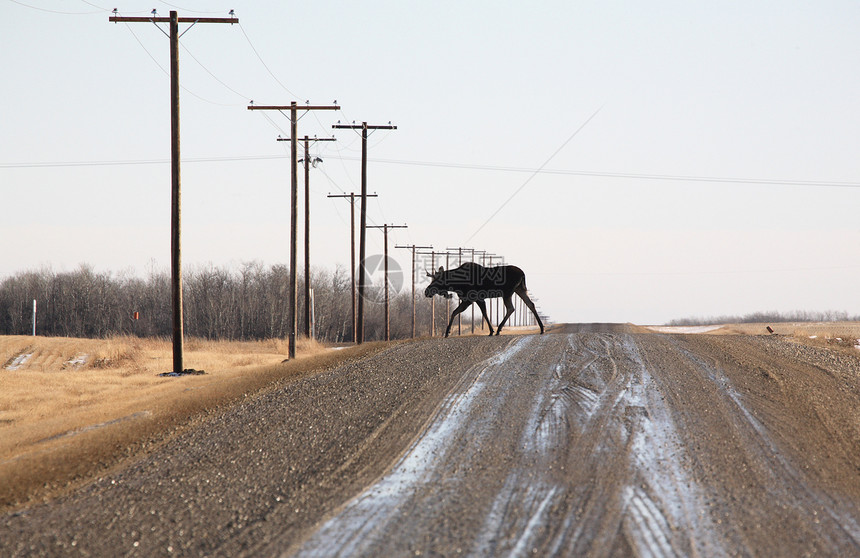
[472, 259]
[385, 260]
[413, 248]
[447, 299]
[351, 197]
[307, 161]
[432, 255]
[363, 216]
[459, 263]
[482, 252]
[484, 257]
[498, 300]
[175, 192]
[293, 107]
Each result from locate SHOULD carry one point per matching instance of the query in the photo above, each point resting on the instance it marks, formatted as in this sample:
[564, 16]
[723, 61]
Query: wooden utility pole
[294, 108]
[351, 197]
[498, 299]
[447, 299]
[432, 255]
[459, 263]
[413, 248]
[473, 306]
[472, 259]
[363, 215]
[484, 257]
[175, 191]
[307, 161]
[385, 264]
[432, 331]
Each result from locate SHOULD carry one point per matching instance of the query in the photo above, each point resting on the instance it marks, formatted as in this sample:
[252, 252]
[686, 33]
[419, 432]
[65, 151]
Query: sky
[641, 162]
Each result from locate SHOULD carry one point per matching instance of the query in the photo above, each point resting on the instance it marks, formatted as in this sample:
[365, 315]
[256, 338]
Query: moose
[475, 283]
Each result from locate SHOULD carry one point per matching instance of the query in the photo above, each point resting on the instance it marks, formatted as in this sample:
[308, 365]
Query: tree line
[248, 303]
[769, 317]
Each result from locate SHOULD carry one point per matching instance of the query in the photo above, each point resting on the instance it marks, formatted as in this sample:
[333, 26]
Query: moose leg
[483, 307]
[509, 309]
[463, 305]
[524, 294]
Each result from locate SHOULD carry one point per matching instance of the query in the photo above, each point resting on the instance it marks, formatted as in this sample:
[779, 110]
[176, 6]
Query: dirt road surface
[594, 440]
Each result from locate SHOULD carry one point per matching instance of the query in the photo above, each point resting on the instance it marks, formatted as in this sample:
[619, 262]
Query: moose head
[438, 284]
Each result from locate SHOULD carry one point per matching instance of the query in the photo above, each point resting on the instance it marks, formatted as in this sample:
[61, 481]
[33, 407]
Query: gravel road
[590, 440]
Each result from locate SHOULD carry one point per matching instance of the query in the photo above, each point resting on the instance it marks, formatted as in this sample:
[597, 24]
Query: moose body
[476, 283]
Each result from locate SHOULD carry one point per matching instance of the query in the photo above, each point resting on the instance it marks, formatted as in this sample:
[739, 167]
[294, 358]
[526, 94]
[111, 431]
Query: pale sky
[717, 171]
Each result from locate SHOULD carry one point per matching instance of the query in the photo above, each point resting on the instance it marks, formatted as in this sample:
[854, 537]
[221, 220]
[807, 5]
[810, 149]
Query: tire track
[835, 518]
[597, 469]
[365, 523]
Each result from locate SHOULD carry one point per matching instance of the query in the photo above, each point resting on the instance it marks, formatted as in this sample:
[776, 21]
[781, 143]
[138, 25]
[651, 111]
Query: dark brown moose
[476, 283]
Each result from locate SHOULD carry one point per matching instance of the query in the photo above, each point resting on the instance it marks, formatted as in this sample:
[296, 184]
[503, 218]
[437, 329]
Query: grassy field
[73, 407]
[833, 333]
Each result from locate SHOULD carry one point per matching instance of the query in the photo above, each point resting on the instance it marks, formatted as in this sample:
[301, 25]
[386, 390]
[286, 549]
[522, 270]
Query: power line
[696, 272]
[100, 7]
[160, 67]
[492, 168]
[216, 78]
[535, 173]
[188, 10]
[260, 58]
[59, 164]
[635, 176]
[54, 11]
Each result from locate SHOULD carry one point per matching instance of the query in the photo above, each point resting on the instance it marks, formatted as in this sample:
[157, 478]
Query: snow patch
[684, 329]
[18, 361]
[355, 528]
[77, 361]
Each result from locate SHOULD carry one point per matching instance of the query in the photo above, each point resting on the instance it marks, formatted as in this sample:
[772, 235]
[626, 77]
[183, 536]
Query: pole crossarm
[353, 195]
[459, 249]
[306, 138]
[290, 107]
[143, 19]
[363, 127]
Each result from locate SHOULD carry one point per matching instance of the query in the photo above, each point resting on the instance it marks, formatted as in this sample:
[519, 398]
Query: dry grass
[842, 336]
[77, 407]
[839, 335]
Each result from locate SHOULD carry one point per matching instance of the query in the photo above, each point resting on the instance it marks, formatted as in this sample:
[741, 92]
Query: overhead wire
[529, 179]
[216, 78]
[263, 62]
[492, 168]
[51, 11]
[167, 73]
[384, 137]
[188, 9]
[102, 8]
[563, 172]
